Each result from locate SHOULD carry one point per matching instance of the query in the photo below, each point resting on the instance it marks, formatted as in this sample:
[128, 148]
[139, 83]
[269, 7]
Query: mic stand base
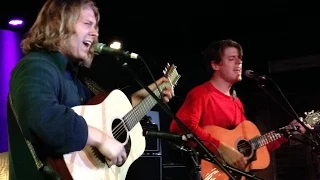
[195, 170]
[192, 163]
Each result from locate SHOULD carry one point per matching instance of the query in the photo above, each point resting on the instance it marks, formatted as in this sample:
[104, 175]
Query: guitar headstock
[172, 74]
[312, 118]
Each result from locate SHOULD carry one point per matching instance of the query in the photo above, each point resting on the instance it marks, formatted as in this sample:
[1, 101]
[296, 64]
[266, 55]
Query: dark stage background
[285, 48]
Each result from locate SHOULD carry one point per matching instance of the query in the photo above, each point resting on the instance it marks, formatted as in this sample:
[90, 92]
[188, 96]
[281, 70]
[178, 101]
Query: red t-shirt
[205, 105]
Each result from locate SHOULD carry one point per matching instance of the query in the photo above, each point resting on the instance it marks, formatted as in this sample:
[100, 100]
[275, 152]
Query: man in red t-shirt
[213, 102]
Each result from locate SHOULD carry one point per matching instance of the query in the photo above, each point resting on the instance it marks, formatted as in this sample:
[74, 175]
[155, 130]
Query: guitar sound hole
[119, 130]
[120, 133]
[244, 148]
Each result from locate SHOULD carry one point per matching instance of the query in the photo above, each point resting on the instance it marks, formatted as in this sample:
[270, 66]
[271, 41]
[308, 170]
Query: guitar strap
[46, 170]
[97, 90]
[93, 86]
[233, 93]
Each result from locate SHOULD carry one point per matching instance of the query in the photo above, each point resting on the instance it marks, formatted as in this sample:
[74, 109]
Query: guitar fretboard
[264, 139]
[140, 110]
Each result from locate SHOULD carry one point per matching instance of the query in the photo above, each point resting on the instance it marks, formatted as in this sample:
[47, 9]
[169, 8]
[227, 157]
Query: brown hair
[215, 51]
[55, 24]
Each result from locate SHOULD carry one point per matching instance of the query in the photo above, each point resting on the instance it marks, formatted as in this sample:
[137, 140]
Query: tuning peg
[301, 119]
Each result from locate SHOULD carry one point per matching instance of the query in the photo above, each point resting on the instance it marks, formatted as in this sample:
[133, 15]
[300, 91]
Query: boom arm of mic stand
[316, 141]
[299, 140]
[212, 156]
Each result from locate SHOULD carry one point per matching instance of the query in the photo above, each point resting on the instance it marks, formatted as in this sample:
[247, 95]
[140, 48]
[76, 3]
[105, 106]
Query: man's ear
[215, 66]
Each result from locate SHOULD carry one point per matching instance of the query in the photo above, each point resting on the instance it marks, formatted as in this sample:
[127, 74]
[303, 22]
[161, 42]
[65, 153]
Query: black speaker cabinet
[153, 145]
[146, 168]
[175, 172]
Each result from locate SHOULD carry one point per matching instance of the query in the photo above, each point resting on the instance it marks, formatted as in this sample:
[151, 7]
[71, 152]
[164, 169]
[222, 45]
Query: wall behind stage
[10, 53]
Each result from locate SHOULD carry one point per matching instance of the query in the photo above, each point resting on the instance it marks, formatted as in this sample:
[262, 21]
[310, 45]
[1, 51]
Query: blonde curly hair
[55, 24]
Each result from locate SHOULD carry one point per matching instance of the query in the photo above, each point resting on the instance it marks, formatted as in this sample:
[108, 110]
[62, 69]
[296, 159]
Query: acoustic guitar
[246, 138]
[115, 116]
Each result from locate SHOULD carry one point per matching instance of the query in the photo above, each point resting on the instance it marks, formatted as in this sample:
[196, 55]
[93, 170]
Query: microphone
[101, 48]
[251, 74]
[164, 135]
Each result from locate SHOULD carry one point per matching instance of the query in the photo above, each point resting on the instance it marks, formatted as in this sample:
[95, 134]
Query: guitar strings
[119, 129]
[274, 136]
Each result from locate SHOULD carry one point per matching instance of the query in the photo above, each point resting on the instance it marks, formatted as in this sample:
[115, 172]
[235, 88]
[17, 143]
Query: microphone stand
[196, 169]
[315, 140]
[196, 166]
[188, 134]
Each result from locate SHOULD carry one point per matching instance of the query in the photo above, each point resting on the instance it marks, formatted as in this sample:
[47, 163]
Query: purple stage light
[16, 22]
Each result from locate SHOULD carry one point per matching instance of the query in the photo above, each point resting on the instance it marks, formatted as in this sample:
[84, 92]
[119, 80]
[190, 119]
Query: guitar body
[84, 164]
[244, 131]
[113, 114]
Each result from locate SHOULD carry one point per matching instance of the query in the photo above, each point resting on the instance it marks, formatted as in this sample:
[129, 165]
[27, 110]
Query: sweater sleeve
[276, 144]
[190, 114]
[34, 88]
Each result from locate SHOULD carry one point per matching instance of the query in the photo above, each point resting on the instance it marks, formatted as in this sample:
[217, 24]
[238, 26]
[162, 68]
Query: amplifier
[152, 144]
[151, 122]
[146, 168]
[175, 171]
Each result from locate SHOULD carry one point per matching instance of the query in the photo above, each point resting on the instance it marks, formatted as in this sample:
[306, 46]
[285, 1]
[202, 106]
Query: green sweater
[43, 88]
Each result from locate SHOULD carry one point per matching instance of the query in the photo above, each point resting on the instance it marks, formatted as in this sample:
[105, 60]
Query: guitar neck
[140, 110]
[265, 139]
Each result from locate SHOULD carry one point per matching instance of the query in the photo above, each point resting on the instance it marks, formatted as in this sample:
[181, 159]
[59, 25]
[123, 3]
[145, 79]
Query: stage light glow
[15, 22]
[115, 45]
